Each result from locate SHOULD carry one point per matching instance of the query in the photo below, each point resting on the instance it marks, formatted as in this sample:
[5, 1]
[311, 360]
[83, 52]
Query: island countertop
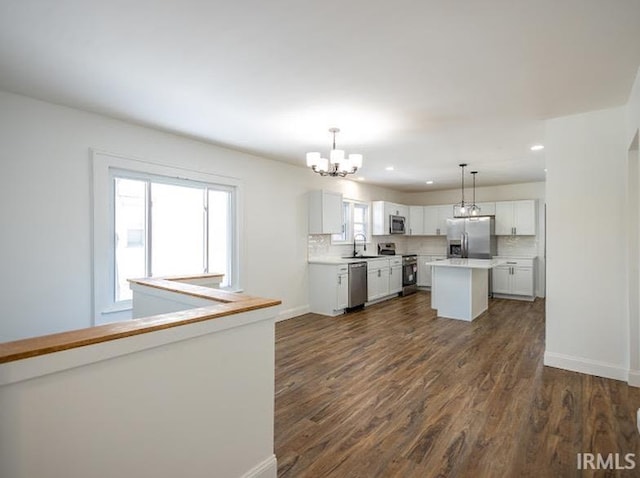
[468, 263]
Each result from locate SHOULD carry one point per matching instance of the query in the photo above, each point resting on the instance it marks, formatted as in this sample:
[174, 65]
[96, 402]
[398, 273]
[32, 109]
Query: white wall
[587, 326]
[514, 246]
[45, 208]
[633, 208]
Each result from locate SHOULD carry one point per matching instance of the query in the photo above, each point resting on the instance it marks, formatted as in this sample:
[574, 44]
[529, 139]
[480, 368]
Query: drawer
[396, 261]
[375, 264]
[341, 269]
[517, 262]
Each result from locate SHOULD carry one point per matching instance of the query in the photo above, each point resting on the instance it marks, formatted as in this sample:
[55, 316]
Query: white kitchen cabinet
[377, 279]
[444, 212]
[325, 212]
[328, 288]
[516, 218]
[424, 271]
[487, 208]
[395, 275]
[416, 220]
[342, 291]
[515, 278]
[381, 210]
[434, 219]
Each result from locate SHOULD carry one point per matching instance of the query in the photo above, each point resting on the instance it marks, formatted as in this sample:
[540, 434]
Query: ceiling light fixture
[389, 168]
[337, 164]
[474, 210]
[429, 182]
[537, 147]
[461, 209]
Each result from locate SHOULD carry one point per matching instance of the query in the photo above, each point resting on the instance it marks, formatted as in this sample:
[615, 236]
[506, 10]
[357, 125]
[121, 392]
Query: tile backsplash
[518, 246]
[320, 245]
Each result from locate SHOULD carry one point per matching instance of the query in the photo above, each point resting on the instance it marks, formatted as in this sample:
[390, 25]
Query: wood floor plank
[394, 390]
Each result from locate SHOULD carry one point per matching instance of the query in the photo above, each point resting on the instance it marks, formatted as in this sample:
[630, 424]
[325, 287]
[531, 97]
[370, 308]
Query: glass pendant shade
[474, 210]
[313, 159]
[461, 209]
[356, 160]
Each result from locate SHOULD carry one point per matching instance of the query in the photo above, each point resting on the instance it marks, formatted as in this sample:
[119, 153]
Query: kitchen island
[460, 287]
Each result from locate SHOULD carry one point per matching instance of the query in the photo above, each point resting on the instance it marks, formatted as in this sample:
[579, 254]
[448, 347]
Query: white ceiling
[421, 85]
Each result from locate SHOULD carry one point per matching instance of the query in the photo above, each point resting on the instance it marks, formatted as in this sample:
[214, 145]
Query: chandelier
[337, 164]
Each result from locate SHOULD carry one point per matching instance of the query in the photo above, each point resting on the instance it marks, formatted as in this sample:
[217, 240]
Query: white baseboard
[265, 469]
[291, 313]
[587, 366]
[634, 378]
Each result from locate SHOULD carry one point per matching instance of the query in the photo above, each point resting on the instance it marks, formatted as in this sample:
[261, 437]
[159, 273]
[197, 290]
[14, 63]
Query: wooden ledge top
[226, 303]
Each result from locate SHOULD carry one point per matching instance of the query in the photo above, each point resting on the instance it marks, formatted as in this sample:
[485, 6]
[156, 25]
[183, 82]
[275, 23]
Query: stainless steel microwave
[396, 224]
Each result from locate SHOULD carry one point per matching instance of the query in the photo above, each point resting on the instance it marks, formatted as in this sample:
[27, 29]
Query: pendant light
[461, 209]
[474, 210]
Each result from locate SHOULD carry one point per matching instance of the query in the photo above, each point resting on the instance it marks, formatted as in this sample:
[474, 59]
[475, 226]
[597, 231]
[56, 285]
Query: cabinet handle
[339, 280]
[410, 231]
[379, 272]
[438, 231]
[515, 231]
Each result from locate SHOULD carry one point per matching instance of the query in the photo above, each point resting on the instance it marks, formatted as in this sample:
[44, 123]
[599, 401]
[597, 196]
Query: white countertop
[331, 260]
[468, 263]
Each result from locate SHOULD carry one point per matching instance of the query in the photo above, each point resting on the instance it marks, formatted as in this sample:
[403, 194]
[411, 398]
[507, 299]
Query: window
[356, 221]
[165, 229]
[152, 220]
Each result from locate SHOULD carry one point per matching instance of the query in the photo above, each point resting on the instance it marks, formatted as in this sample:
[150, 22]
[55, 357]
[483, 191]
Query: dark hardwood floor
[394, 391]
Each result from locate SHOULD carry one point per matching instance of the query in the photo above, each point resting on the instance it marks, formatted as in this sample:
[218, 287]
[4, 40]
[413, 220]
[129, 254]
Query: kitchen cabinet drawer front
[395, 261]
[375, 264]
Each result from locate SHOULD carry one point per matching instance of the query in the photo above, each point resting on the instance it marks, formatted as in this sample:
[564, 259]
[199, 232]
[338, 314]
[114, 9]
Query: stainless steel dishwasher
[357, 284]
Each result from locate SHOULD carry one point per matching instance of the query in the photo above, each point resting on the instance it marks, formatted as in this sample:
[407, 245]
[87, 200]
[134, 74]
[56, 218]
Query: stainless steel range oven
[409, 273]
[409, 267]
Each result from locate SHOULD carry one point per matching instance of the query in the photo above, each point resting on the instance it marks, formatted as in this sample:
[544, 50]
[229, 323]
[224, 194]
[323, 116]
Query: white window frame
[106, 166]
[348, 222]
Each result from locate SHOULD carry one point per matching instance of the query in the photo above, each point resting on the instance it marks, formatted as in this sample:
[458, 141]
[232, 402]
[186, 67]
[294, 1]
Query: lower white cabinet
[424, 271]
[515, 278]
[342, 290]
[328, 288]
[377, 279]
[395, 275]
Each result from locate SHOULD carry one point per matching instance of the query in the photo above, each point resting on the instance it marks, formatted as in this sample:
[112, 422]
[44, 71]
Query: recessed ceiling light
[389, 168]
[537, 147]
[545, 170]
[429, 182]
[360, 178]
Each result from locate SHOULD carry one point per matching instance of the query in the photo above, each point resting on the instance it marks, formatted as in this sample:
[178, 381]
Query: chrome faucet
[355, 252]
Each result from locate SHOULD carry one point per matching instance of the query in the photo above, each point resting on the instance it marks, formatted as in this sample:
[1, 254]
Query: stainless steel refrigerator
[472, 237]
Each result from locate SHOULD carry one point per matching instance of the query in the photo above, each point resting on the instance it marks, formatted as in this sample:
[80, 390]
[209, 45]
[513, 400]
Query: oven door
[409, 274]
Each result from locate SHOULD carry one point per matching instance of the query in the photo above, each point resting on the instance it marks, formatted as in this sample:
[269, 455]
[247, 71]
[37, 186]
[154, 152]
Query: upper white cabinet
[487, 208]
[381, 210]
[325, 212]
[434, 220]
[516, 218]
[416, 220]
